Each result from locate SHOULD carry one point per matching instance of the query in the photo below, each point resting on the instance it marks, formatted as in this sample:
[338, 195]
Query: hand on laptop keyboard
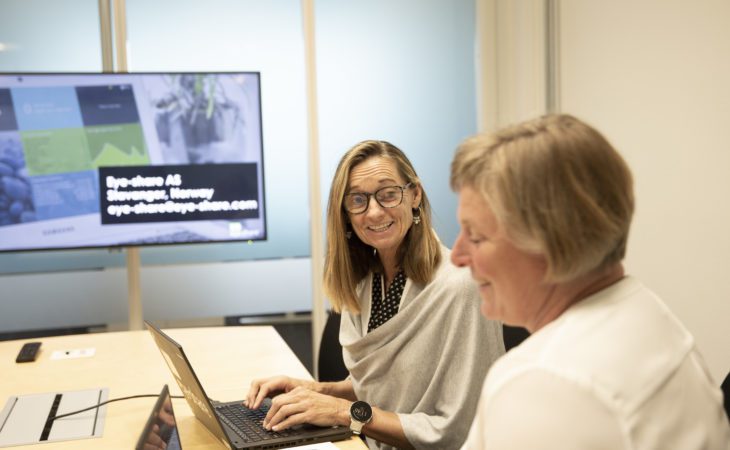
[297, 403]
[270, 387]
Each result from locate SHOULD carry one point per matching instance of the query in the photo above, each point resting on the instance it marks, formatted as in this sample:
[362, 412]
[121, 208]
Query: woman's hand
[301, 405]
[269, 387]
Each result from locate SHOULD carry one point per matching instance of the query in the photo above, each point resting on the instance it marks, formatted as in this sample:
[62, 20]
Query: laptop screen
[160, 431]
[189, 384]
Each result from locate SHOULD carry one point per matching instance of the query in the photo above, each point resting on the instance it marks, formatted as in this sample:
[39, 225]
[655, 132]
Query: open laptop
[232, 424]
[161, 427]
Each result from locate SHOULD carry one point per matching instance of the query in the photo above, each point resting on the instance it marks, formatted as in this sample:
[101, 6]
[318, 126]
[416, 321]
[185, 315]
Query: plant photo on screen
[196, 115]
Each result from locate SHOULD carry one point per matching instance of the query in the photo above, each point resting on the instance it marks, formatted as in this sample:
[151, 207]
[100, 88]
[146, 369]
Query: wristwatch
[360, 414]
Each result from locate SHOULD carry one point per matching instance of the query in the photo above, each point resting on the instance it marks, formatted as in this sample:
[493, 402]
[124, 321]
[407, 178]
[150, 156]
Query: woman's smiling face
[382, 228]
[509, 279]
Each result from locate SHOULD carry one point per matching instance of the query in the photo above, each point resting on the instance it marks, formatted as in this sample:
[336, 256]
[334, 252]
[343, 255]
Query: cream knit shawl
[428, 362]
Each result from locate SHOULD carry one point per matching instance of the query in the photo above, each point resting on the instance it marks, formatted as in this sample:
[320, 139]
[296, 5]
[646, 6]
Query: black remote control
[28, 352]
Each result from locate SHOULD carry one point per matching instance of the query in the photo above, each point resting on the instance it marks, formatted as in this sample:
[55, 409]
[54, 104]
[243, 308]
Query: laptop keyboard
[248, 423]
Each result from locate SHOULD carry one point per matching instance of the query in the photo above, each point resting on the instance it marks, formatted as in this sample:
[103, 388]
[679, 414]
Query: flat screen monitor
[111, 160]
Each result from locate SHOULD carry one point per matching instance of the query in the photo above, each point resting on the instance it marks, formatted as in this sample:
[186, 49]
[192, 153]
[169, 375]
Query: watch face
[361, 411]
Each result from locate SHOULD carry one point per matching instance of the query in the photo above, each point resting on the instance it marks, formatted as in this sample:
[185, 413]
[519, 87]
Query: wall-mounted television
[94, 160]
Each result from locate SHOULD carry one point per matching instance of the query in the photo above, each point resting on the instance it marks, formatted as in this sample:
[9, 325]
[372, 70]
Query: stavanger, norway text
[161, 195]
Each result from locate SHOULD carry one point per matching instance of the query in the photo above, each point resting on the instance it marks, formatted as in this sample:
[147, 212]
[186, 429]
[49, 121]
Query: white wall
[653, 76]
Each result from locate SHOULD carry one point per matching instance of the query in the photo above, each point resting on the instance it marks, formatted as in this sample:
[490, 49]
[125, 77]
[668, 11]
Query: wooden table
[225, 359]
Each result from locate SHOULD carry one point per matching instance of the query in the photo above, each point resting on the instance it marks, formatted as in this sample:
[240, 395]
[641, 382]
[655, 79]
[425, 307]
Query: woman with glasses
[412, 336]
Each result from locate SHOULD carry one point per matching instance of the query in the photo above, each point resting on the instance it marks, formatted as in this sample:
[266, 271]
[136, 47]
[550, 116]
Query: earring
[417, 216]
[348, 234]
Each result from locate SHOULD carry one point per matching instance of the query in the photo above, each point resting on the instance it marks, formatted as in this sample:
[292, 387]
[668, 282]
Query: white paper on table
[73, 353]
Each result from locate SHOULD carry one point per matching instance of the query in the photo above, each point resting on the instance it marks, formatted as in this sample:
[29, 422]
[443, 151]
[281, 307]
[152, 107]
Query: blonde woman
[413, 340]
[545, 208]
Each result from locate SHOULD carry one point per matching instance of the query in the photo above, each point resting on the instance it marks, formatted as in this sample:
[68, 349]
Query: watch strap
[356, 426]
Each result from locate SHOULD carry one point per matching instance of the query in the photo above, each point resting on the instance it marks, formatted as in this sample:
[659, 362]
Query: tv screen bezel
[265, 235]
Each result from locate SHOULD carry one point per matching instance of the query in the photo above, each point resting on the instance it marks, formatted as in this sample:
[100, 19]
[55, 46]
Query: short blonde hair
[558, 188]
[348, 261]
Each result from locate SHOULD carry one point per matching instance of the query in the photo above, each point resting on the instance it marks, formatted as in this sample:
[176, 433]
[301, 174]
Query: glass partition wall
[399, 71]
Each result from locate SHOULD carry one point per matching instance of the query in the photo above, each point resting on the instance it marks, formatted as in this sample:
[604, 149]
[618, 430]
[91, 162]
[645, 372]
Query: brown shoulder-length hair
[348, 261]
[558, 188]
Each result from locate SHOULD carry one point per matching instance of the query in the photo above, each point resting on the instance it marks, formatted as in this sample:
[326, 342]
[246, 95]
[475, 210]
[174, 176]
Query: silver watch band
[356, 426]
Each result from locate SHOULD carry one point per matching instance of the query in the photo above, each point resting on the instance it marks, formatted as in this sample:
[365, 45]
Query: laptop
[161, 427]
[231, 423]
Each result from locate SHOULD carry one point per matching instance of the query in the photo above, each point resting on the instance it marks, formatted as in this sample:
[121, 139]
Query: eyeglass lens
[387, 197]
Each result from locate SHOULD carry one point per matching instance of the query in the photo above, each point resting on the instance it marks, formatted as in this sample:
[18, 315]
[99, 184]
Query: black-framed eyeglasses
[387, 197]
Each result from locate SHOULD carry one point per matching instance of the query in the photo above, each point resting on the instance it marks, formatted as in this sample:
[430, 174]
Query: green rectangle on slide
[59, 150]
[117, 145]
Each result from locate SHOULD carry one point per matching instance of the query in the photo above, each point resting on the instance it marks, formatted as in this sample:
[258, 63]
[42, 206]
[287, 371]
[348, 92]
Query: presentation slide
[106, 160]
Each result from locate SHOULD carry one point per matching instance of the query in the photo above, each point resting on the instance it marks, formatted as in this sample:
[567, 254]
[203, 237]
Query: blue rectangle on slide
[66, 195]
[44, 108]
[7, 115]
[110, 104]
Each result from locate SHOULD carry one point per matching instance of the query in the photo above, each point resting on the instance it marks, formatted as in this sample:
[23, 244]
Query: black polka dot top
[381, 309]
